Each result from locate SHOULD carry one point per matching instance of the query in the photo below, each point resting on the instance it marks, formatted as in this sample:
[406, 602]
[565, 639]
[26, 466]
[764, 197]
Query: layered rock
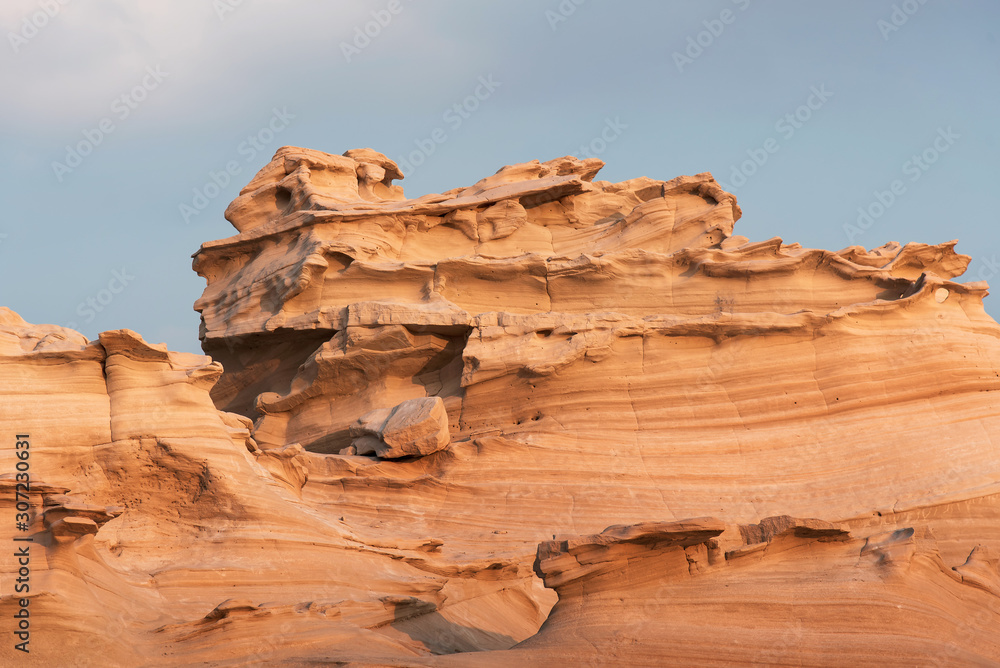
[427, 420]
[150, 511]
[607, 354]
[619, 328]
[806, 592]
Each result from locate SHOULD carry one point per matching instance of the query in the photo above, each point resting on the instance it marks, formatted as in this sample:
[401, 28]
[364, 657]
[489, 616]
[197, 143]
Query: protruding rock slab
[559, 562]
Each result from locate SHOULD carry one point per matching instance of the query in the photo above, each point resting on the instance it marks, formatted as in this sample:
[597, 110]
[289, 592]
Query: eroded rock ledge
[802, 592]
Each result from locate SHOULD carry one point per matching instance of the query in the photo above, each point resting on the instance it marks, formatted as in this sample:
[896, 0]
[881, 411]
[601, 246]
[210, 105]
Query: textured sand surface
[540, 420]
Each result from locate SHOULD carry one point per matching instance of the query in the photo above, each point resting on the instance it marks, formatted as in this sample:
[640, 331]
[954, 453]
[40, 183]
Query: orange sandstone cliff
[540, 420]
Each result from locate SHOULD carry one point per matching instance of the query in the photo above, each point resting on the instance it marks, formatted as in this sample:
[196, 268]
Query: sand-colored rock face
[432, 425]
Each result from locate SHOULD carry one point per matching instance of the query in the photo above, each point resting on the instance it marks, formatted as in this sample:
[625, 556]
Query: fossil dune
[541, 419]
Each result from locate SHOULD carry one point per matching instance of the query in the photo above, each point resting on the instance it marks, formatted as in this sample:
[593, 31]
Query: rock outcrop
[427, 426]
[414, 428]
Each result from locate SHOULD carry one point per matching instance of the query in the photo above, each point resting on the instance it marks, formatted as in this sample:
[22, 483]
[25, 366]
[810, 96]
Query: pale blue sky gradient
[887, 96]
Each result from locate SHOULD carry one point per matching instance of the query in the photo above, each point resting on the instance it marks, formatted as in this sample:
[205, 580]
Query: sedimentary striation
[539, 419]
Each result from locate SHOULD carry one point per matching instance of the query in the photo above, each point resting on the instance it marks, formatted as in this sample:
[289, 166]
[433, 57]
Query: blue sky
[807, 111]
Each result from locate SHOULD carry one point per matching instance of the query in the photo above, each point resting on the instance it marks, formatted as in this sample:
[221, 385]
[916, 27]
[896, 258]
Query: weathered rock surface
[415, 428]
[150, 509]
[810, 594]
[429, 421]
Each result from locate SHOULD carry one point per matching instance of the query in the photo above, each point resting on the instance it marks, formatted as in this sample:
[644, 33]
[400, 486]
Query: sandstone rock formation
[416, 427]
[542, 419]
